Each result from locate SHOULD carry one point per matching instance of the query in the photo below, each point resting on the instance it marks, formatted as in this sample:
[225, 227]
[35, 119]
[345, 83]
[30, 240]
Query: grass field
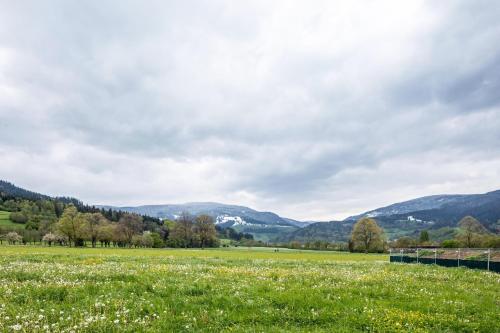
[237, 290]
[6, 222]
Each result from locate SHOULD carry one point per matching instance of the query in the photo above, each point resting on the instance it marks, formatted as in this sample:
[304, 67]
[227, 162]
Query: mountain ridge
[262, 224]
[426, 203]
[406, 218]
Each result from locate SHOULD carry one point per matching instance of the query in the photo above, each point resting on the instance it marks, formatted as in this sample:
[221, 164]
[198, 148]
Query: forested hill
[9, 190]
[34, 208]
[438, 211]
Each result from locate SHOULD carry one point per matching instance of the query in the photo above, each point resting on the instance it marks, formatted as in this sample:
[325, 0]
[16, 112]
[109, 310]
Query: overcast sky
[315, 110]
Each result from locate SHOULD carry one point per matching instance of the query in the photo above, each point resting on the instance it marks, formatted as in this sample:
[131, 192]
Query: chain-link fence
[488, 259]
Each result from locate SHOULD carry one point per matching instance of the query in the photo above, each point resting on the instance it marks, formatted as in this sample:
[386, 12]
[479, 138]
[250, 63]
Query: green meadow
[6, 222]
[56, 289]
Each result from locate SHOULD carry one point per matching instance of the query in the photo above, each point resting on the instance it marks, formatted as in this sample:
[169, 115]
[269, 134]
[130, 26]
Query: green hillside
[6, 222]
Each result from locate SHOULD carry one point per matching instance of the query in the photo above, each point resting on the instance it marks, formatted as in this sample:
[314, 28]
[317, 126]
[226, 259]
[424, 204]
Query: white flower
[116, 321]
[16, 327]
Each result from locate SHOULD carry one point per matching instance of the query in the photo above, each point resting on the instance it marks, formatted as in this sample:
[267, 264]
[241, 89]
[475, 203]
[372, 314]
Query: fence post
[458, 260]
[489, 255]
[401, 254]
[435, 256]
[417, 255]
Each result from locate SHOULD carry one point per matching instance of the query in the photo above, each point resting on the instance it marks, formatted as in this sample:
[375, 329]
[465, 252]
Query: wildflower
[16, 327]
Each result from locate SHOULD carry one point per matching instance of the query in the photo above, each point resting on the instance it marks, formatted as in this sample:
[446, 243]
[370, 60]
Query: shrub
[18, 217]
[451, 243]
[491, 242]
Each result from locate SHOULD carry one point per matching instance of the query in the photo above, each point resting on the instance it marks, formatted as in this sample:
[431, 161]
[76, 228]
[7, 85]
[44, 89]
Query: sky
[315, 110]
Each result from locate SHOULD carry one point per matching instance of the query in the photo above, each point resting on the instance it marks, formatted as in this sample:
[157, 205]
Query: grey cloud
[283, 106]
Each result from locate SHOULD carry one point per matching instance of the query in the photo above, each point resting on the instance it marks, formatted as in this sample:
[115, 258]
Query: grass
[237, 290]
[6, 222]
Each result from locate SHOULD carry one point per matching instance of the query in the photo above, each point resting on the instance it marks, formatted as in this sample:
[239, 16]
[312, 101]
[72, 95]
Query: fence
[487, 259]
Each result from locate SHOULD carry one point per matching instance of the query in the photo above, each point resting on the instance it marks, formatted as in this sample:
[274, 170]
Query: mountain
[263, 225]
[433, 202]
[437, 213]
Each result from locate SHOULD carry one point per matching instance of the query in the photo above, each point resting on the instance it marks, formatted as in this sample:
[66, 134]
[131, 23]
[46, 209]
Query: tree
[165, 229]
[137, 240]
[491, 241]
[157, 240]
[424, 236]
[130, 225]
[18, 217]
[94, 220]
[49, 238]
[367, 235]
[105, 233]
[204, 228]
[72, 225]
[13, 237]
[147, 239]
[470, 228]
[182, 232]
[404, 242]
[450, 243]
[47, 225]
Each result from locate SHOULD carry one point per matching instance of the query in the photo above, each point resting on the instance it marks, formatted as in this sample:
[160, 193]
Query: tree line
[55, 222]
[368, 236]
[470, 233]
[69, 222]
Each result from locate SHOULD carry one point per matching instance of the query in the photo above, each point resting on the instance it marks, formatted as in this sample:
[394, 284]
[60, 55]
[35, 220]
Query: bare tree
[204, 227]
[182, 232]
[94, 221]
[105, 232]
[130, 225]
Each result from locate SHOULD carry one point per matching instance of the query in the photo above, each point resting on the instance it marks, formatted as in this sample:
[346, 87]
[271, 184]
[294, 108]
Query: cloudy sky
[311, 109]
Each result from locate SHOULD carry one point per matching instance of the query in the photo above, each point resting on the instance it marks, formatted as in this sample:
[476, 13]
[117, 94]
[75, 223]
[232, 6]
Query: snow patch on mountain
[237, 220]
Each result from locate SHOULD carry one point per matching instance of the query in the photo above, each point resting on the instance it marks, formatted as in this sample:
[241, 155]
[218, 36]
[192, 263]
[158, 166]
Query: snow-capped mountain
[224, 215]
